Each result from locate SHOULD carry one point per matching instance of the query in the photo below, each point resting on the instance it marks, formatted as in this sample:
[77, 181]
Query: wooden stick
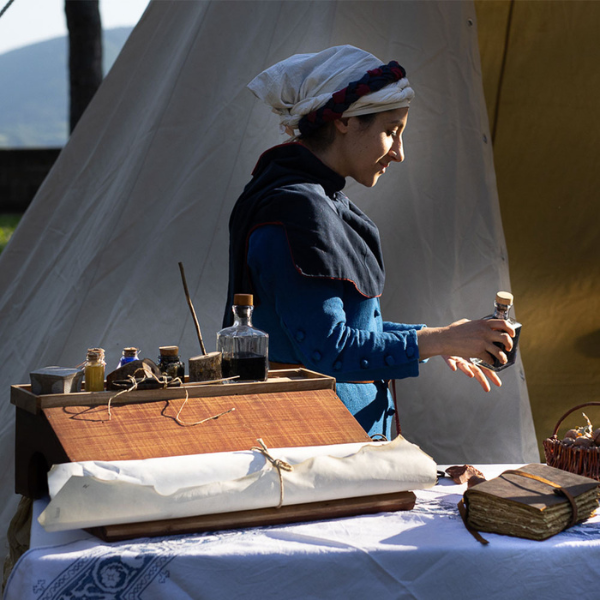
[189, 301]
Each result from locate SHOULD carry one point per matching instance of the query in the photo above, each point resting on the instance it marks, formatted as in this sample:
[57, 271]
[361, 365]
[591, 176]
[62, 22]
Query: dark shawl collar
[329, 236]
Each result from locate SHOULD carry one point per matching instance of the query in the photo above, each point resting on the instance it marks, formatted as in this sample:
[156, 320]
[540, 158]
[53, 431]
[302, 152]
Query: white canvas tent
[150, 175]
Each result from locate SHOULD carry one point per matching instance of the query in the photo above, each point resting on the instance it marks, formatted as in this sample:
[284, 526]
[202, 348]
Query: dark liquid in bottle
[251, 367]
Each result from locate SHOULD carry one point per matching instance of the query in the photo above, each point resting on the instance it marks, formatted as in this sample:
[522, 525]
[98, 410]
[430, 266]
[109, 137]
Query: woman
[313, 260]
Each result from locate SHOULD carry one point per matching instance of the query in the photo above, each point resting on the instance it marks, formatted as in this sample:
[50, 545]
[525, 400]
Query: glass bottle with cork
[129, 355]
[93, 371]
[245, 349]
[169, 362]
[502, 306]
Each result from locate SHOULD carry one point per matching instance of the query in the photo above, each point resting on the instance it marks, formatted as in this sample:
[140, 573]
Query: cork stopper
[95, 354]
[130, 352]
[504, 298]
[243, 300]
[169, 350]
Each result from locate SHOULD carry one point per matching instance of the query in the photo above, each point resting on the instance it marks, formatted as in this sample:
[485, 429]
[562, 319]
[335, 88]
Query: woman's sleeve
[310, 310]
[391, 326]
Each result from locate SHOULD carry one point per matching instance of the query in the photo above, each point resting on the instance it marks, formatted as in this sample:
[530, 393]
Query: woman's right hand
[467, 339]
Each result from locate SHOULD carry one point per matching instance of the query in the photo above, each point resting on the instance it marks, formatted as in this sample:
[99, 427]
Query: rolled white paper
[90, 494]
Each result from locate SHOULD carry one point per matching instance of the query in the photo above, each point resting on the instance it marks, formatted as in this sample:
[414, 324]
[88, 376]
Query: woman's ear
[341, 124]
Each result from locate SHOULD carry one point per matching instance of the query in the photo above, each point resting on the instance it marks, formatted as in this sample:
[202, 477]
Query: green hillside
[34, 98]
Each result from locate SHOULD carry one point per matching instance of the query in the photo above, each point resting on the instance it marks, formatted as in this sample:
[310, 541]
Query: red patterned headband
[340, 101]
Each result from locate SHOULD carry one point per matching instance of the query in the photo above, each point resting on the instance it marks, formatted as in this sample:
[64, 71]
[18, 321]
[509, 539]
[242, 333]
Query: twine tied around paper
[277, 463]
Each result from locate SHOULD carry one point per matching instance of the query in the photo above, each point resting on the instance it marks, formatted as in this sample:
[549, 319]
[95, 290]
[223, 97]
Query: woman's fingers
[457, 363]
[494, 352]
[490, 375]
[496, 341]
[483, 382]
[466, 367]
[451, 362]
[482, 375]
[493, 377]
[502, 337]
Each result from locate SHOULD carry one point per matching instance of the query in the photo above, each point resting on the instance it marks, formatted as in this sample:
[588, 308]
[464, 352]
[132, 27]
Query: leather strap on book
[557, 490]
[462, 509]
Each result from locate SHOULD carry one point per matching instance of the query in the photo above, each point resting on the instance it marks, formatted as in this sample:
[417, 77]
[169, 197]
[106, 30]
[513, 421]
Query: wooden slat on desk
[138, 431]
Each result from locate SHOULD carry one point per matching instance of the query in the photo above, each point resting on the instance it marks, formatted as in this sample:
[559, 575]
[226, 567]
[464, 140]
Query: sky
[29, 21]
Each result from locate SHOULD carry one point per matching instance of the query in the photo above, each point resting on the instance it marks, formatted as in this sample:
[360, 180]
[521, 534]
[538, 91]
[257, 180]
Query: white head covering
[304, 82]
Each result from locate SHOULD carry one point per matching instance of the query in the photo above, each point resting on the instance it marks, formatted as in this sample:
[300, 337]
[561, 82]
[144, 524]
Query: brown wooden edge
[284, 380]
[21, 397]
[331, 509]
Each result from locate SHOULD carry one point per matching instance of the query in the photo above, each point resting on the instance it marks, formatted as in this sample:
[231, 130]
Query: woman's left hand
[482, 375]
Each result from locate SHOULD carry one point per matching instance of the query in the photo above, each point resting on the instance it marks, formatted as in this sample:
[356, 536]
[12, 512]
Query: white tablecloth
[424, 554]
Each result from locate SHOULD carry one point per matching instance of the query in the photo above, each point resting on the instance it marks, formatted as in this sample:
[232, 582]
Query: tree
[85, 54]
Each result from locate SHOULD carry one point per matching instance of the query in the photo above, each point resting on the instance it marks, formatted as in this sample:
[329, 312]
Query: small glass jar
[245, 349]
[169, 362]
[129, 355]
[93, 371]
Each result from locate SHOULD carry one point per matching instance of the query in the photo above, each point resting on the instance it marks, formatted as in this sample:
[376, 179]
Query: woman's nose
[397, 151]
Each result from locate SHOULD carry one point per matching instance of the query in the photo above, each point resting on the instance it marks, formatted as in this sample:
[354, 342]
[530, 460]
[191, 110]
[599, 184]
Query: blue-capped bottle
[245, 349]
[502, 306]
[129, 355]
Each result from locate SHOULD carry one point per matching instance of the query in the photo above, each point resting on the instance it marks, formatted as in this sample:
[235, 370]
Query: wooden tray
[283, 380]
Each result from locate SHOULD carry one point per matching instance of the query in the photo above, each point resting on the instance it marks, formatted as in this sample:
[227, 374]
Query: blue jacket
[327, 326]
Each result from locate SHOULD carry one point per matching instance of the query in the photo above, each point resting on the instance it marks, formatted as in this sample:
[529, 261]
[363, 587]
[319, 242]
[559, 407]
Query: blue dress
[321, 311]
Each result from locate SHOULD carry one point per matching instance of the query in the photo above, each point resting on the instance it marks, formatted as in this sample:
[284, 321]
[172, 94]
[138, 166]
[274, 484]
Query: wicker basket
[582, 461]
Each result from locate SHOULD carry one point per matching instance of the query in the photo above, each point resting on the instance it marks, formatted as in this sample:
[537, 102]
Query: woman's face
[364, 151]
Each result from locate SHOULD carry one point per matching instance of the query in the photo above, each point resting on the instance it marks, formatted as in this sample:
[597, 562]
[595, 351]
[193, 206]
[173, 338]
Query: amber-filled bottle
[94, 370]
[502, 306]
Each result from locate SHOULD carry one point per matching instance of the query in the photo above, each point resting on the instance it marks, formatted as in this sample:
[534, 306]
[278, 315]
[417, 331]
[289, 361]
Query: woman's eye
[393, 133]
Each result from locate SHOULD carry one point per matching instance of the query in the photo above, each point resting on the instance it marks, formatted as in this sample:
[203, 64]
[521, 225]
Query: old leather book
[535, 502]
